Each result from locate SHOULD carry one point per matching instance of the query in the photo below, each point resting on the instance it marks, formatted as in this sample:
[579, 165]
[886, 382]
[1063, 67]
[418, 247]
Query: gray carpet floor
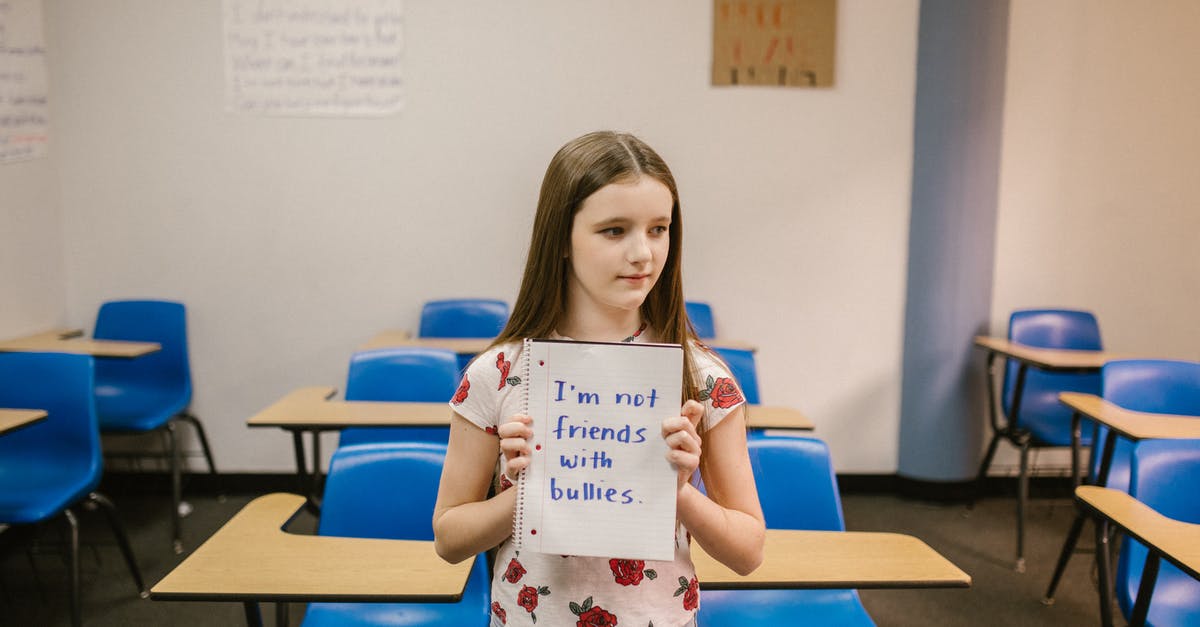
[981, 541]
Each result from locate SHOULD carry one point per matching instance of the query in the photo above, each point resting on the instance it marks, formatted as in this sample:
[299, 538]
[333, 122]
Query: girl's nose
[639, 250]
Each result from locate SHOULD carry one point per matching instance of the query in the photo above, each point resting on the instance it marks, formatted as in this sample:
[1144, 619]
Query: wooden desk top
[309, 407]
[69, 341]
[1134, 425]
[1047, 358]
[11, 419]
[836, 559]
[252, 559]
[775, 417]
[1178, 541]
[472, 346]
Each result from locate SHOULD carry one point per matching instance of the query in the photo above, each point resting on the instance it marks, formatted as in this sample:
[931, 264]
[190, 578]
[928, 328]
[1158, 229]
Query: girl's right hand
[514, 442]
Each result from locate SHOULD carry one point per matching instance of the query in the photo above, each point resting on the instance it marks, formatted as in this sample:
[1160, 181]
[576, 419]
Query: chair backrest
[741, 364]
[159, 321]
[1164, 475]
[382, 490]
[1160, 386]
[701, 315]
[1051, 328]
[69, 437]
[463, 317]
[407, 373]
[796, 484]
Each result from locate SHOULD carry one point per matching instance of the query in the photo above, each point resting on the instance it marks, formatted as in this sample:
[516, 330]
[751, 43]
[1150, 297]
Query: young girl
[603, 265]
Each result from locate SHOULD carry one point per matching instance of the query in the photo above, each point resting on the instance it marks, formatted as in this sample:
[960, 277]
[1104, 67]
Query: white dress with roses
[552, 590]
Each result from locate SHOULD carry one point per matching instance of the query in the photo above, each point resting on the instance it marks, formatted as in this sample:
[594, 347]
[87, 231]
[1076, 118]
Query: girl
[603, 265]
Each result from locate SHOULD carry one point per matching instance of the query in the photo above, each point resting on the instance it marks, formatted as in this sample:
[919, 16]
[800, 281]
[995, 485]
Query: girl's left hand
[683, 441]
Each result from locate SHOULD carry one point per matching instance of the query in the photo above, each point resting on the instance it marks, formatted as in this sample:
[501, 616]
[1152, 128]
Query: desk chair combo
[405, 374]
[353, 508]
[150, 393]
[1029, 398]
[797, 490]
[463, 317]
[49, 468]
[1153, 386]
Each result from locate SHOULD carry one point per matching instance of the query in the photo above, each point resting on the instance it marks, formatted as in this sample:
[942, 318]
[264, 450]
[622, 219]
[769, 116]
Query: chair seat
[42, 487]
[137, 407]
[719, 608]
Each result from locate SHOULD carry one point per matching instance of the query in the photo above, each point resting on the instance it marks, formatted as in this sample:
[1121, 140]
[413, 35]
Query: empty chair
[152, 392]
[797, 490]
[701, 315]
[741, 364]
[463, 317]
[1042, 421]
[409, 373]
[1164, 474]
[388, 490]
[48, 468]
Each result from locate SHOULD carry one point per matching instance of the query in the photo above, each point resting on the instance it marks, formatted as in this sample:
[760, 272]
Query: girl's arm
[465, 521]
[728, 523]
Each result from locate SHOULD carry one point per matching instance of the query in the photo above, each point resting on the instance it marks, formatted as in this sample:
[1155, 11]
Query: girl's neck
[597, 326]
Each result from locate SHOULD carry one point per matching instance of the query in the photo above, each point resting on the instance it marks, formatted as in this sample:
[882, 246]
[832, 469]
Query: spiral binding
[519, 510]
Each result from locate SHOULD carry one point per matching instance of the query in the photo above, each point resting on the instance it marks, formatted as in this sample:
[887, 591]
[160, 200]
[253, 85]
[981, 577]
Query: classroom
[971, 159]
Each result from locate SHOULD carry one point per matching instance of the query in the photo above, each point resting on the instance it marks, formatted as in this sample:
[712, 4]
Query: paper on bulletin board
[314, 57]
[787, 43]
[24, 99]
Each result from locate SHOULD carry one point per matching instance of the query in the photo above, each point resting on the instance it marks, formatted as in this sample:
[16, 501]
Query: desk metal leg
[1104, 580]
[314, 488]
[281, 614]
[994, 420]
[1141, 607]
[1022, 499]
[253, 616]
[1064, 556]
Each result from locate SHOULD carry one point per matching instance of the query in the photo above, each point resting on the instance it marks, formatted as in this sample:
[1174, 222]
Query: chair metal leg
[281, 614]
[253, 615]
[1141, 607]
[981, 476]
[176, 489]
[212, 467]
[1064, 557]
[1022, 499]
[73, 561]
[110, 512]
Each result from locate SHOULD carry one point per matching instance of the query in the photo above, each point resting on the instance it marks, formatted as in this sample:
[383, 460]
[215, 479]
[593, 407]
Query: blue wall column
[961, 58]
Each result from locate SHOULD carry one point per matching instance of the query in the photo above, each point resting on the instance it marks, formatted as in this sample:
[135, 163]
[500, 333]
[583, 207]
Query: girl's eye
[613, 231]
[659, 230]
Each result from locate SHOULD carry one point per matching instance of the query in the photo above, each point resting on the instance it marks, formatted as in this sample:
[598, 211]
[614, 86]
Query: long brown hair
[578, 170]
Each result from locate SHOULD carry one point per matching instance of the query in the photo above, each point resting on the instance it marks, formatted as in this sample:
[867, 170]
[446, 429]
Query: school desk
[472, 346]
[1050, 360]
[69, 341]
[13, 419]
[251, 559]
[1132, 425]
[836, 559]
[1176, 541]
[309, 410]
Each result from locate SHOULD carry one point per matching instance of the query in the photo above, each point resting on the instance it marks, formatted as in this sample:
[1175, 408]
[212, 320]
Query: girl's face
[619, 244]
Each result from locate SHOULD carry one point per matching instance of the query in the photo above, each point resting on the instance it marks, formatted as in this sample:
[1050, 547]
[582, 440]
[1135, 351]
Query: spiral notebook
[598, 482]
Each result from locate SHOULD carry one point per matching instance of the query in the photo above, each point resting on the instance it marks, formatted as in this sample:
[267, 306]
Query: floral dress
[531, 588]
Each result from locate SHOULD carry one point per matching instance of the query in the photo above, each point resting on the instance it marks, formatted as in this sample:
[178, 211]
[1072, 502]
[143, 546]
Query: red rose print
[724, 393]
[491, 430]
[505, 482]
[461, 394]
[629, 572]
[515, 571]
[528, 598]
[499, 612]
[592, 616]
[503, 366]
[690, 591]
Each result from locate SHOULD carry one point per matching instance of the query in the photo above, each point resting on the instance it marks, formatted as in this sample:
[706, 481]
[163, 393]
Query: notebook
[598, 482]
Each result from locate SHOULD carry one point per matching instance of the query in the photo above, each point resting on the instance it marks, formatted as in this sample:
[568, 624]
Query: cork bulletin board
[787, 43]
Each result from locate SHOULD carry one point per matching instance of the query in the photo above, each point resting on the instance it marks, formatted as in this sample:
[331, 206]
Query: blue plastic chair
[741, 364]
[47, 468]
[409, 373]
[1164, 474]
[797, 490]
[1042, 421]
[701, 315]
[354, 507]
[463, 317]
[149, 393]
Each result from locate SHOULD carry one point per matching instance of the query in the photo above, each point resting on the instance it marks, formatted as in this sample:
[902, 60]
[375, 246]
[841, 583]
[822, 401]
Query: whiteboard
[24, 100]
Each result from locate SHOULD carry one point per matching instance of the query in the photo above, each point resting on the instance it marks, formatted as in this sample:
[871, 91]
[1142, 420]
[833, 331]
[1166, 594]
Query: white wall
[1099, 203]
[31, 247]
[292, 240]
